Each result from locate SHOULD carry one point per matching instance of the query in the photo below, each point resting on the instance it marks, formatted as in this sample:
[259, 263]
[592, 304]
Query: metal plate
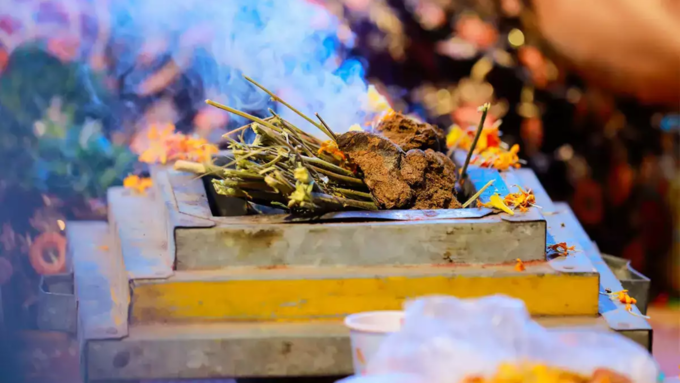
[634, 326]
[527, 179]
[101, 283]
[637, 284]
[480, 177]
[243, 350]
[350, 238]
[139, 234]
[395, 215]
[57, 308]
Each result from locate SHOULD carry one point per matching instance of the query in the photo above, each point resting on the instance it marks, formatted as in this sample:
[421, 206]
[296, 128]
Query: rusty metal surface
[57, 308]
[139, 234]
[634, 326]
[101, 283]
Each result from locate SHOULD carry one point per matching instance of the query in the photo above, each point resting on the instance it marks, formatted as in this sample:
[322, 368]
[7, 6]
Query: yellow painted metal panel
[304, 299]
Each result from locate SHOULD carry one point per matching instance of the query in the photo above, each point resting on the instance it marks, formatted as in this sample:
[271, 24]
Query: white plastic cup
[367, 331]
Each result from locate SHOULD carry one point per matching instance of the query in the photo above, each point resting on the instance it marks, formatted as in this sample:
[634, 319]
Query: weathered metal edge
[221, 351]
[173, 218]
[189, 195]
[617, 318]
[57, 311]
[365, 243]
[100, 281]
[134, 224]
[244, 350]
[527, 179]
[614, 311]
[184, 197]
[190, 199]
[637, 286]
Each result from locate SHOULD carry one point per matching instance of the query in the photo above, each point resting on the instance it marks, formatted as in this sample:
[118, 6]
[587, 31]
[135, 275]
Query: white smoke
[288, 46]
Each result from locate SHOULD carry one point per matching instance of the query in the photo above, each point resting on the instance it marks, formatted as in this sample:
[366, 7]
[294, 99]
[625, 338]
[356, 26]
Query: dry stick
[248, 185]
[328, 128]
[485, 110]
[318, 186]
[278, 186]
[257, 196]
[328, 166]
[294, 130]
[338, 177]
[354, 193]
[303, 136]
[274, 136]
[278, 99]
[288, 124]
[242, 174]
[242, 114]
[241, 129]
[191, 167]
[474, 197]
[279, 182]
[199, 169]
[344, 202]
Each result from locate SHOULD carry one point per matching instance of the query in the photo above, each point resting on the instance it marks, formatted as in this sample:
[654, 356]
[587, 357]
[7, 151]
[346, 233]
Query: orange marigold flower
[156, 134]
[519, 266]
[137, 183]
[521, 200]
[498, 159]
[166, 145]
[628, 301]
[462, 138]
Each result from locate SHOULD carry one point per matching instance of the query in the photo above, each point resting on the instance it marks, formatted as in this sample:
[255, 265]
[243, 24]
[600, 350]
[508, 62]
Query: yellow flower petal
[131, 181]
[497, 202]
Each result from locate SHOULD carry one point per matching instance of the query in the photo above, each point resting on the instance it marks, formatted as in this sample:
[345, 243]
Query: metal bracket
[57, 306]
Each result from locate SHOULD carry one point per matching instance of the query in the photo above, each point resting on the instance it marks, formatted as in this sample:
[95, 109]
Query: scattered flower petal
[137, 183]
[561, 249]
[496, 202]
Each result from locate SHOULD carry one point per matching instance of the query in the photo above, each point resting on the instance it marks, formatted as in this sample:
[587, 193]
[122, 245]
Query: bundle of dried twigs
[288, 168]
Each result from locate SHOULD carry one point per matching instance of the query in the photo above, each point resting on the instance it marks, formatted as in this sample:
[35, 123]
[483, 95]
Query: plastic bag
[445, 340]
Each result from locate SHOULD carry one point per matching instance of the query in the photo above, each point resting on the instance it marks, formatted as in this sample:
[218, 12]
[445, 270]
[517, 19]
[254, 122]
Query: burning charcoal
[409, 134]
[435, 188]
[397, 180]
[380, 162]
